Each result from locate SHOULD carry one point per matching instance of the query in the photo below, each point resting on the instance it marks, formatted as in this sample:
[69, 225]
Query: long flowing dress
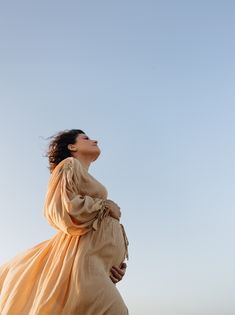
[69, 274]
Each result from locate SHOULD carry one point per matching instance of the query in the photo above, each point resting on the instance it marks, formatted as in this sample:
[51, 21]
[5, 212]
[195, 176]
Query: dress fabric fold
[69, 274]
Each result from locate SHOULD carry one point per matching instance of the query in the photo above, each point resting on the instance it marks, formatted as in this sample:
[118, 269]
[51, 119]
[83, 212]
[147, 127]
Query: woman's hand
[117, 273]
[114, 209]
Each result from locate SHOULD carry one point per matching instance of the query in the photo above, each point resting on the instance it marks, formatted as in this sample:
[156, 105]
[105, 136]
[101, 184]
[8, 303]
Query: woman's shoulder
[67, 161]
[68, 164]
[73, 164]
[64, 163]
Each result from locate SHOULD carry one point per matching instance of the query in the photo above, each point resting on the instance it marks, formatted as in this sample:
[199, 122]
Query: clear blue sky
[153, 82]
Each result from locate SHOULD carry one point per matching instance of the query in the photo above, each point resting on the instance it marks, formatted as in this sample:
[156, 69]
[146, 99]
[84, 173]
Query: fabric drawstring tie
[126, 241]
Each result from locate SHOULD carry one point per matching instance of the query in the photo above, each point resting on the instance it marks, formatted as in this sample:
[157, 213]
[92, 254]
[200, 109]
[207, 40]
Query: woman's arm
[68, 210]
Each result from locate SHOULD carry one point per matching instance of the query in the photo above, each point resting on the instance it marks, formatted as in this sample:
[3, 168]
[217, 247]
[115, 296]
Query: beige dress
[69, 273]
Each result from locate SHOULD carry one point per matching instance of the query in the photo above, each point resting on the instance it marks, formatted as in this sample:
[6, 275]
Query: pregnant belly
[107, 244]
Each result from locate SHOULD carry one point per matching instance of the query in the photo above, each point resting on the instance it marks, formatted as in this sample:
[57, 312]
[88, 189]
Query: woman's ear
[71, 147]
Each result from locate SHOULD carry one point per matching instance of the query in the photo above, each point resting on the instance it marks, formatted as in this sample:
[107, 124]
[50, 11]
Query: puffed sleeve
[65, 208]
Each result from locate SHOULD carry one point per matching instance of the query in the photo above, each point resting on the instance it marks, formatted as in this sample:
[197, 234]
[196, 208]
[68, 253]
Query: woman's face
[87, 146]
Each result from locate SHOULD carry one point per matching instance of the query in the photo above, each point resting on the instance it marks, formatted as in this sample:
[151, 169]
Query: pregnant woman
[71, 273]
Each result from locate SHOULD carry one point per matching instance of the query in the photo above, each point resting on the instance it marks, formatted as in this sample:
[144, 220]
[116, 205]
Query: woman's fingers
[114, 209]
[117, 272]
[114, 280]
[111, 202]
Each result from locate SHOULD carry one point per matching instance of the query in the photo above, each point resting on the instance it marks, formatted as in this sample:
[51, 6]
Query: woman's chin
[96, 154]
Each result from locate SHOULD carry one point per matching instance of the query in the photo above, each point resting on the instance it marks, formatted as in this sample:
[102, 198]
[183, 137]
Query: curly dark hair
[57, 148]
